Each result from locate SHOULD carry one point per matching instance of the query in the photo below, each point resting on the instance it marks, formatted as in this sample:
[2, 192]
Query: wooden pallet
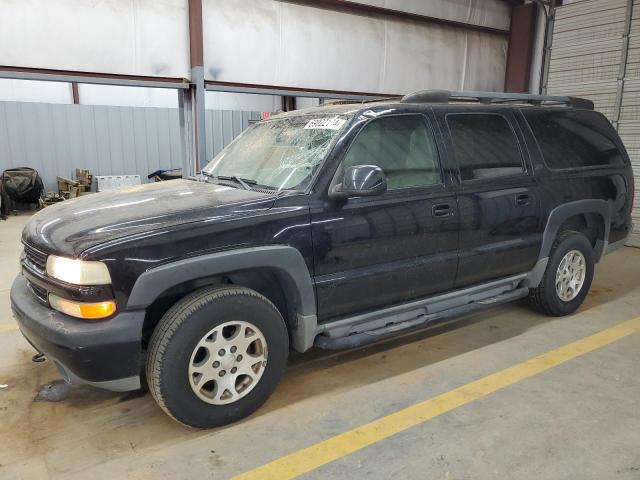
[68, 188]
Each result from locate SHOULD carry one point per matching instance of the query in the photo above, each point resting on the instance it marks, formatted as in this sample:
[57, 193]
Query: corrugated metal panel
[588, 20]
[633, 59]
[587, 51]
[56, 139]
[629, 127]
[584, 62]
[587, 45]
[630, 109]
[603, 93]
[630, 134]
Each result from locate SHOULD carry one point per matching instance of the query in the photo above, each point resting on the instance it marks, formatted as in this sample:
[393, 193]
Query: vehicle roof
[337, 109]
[356, 107]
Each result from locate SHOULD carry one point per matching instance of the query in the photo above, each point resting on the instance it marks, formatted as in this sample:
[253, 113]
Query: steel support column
[548, 41]
[520, 51]
[187, 134]
[198, 95]
[622, 72]
[196, 91]
[75, 94]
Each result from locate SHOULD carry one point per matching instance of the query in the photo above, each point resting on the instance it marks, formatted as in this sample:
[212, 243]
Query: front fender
[286, 261]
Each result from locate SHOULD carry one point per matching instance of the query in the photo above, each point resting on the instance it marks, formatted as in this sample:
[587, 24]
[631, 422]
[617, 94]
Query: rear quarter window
[574, 138]
[485, 146]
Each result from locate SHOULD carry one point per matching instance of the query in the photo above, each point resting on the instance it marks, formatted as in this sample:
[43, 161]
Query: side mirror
[360, 181]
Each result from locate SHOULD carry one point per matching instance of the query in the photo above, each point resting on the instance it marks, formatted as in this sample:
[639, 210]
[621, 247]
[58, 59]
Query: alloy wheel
[228, 362]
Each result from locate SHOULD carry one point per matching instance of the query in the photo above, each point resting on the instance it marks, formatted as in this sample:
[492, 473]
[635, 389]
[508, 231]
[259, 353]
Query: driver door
[377, 251]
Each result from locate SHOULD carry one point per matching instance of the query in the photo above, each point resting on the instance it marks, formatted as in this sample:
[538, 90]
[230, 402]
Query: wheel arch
[284, 263]
[592, 211]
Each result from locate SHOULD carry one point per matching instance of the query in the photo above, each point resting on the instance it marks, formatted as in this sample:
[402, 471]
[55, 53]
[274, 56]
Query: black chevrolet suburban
[335, 226]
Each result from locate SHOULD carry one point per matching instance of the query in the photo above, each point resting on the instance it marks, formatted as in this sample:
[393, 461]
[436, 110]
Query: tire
[545, 297]
[193, 332]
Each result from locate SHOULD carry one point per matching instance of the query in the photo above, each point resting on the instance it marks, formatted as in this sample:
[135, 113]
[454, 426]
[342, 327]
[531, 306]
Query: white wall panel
[34, 91]
[260, 41]
[420, 58]
[135, 37]
[331, 50]
[127, 96]
[485, 62]
[243, 102]
[241, 41]
[279, 43]
[488, 13]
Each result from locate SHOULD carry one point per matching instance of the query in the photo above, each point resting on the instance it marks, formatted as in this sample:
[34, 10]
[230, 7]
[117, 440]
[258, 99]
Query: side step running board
[371, 336]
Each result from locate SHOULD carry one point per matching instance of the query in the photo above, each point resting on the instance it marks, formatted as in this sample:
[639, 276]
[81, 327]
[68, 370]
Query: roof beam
[217, 86]
[49, 75]
[356, 7]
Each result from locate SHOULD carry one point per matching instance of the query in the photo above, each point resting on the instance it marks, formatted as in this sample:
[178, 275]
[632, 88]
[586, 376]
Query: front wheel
[216, 356]
[568, 276]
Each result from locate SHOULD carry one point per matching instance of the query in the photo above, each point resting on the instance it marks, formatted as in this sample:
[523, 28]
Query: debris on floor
[56, 391]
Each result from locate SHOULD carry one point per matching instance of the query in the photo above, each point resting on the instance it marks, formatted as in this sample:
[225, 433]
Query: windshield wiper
[244, 182]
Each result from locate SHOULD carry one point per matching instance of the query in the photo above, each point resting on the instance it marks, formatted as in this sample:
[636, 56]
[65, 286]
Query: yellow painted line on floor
[310, 458]
[8, 327]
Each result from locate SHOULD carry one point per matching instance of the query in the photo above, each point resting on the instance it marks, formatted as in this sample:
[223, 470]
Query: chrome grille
[35, 258]
[39, 292]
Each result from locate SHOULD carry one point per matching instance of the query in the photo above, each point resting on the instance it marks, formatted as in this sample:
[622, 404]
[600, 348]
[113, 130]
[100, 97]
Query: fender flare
[286, 261]
[557, 217]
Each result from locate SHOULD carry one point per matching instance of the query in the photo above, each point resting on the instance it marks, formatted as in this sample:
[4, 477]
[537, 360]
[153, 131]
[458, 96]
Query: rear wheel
[568, 276]
[216, 356]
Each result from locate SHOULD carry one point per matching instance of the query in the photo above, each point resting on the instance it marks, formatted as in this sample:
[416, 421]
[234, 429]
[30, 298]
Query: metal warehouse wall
[272, 42]
[55, 139]
[269, 42]
[595, 53]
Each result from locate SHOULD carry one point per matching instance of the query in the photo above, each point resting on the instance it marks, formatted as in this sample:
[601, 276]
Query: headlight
[78, 272]
[88, 311]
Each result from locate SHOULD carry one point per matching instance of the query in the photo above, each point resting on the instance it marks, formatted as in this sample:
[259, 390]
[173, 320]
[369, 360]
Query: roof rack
[446, 96]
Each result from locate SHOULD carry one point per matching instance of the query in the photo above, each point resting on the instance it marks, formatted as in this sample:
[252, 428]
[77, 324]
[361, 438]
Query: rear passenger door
[383, 250]
[498, 198]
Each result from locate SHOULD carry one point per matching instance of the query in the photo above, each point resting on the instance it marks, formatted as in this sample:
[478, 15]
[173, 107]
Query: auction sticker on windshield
[334, 123]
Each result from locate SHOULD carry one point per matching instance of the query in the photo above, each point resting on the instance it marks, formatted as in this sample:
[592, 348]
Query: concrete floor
[580, 419]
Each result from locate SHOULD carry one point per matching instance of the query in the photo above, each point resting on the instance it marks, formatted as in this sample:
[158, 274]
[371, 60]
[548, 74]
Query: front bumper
[106, 354]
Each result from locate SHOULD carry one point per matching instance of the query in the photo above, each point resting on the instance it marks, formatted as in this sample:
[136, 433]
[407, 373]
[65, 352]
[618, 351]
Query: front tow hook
[38, 358]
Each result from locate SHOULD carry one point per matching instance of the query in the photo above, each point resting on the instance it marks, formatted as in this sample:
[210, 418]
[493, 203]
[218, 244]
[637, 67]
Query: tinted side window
[403, 146]
[485, 146]
[574, 139]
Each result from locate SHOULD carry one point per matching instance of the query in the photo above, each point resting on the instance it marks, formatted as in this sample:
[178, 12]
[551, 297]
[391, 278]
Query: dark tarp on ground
[21, 184]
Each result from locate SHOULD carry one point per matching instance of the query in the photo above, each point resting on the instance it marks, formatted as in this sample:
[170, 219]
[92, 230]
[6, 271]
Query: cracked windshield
[278, 154]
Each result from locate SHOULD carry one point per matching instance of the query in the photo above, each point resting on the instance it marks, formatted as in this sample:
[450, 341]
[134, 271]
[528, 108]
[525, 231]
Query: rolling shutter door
[595, 53]
[629, 125]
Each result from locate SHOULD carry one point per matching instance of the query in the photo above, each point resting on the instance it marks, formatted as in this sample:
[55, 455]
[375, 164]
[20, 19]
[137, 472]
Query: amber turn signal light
[87, 311]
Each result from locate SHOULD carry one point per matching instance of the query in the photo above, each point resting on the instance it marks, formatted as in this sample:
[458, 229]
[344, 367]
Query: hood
[72, 226]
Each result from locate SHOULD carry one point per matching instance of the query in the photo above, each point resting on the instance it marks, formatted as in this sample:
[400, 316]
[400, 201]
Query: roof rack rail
[446, 96]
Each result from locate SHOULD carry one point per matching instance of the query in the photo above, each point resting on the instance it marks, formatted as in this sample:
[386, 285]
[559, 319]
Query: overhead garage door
[595, 53]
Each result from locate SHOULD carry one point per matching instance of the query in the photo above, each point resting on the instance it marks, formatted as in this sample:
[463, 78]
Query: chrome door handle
[441, 210]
